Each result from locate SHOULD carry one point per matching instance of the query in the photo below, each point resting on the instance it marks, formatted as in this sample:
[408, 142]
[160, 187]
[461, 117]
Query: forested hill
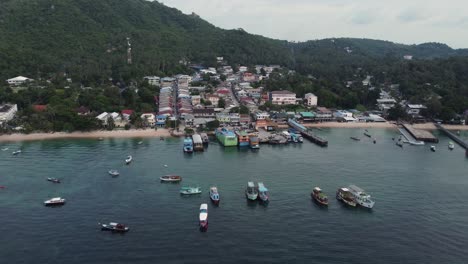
[88, 40]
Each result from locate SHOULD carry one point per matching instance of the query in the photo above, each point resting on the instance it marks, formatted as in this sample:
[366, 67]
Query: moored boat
[254, 142]
[287, 135]
[226, 137]
[54, 180]
[114, 227]
[188, 145]
[361, 197]
[367, 134]
[344, 195]
[242, 138]
[16, 152]
[451, 146]
[319, 196]
[433, 148]
[251, 192]
[54, 201]
[197, 143]
[190, 190]
[263, 193]
[170, 178]
[355, 138]
[214, 195]
[205, 138]
[114, 172]
[399, 143]
[203, 217]
[129, 159]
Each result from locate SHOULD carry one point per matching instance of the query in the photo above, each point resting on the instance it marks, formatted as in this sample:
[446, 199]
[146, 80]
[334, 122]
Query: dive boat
[361, 198]
[344, 195]
[188, 145]
[242, 138]
[129, 159]
[319, 196]
[451, 146]
[114, 173]
[16, 152]
[54, 180]
[355, 138]
[251, 192]
[262, 192]
[214, 195]
[190, 190]
[170, 178]
[54, 201]
[433, 148]
[203, 217]
[205, 138]
[226, 137]
[114, 227]
[254, 142]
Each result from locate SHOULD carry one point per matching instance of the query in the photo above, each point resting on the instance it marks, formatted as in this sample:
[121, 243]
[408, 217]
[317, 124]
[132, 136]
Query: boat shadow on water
[357, 209]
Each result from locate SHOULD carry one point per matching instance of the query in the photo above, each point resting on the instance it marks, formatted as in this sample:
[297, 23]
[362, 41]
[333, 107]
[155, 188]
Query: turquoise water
[420, 214]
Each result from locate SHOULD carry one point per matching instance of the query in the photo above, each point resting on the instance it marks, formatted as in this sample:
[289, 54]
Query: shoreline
[142, 133]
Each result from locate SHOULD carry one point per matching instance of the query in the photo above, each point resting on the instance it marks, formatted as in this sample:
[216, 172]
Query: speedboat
[355, 138]
[433, 148]
[319, 196]
[262, 192]
[451, 146]
[54, 180]
[54, 201]
[361, 198]
[16, 152]
[203, 217]
[170, 178]
[344, 195]
[214, 195]
[128, 159]
[114, 173]
[114, 227]
[190, 190]
[251, 192]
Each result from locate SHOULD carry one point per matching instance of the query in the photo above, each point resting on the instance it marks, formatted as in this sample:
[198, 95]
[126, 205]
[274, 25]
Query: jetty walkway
[307, 133]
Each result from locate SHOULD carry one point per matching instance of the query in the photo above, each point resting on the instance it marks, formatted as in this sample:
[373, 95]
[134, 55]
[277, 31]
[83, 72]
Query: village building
[152, 80]
[414, 109]
[323, 114]
[149, 119]
[310, 99]
[19, 80]
[282, 97]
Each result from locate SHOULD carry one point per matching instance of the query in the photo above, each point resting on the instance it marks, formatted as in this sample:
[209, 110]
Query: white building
[367, 81]
[243, 68]
[7, 112]
[311, 99]
[149, 118]
[408, 57]
[343, 115]
[196, 99]
[18, 80]
[262, 116]
[153, 80]
[414, 109]
[385, 104]
[282, 97]
[103, 118]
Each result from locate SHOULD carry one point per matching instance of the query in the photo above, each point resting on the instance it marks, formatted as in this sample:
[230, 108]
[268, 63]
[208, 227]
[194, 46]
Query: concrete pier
[454, 137]
[420, 135]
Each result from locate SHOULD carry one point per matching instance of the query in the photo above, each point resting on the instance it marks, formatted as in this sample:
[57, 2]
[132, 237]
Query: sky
[401, 21]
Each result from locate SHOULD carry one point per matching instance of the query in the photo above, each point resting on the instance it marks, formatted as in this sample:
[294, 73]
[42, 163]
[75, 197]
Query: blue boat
[262, 193]
[296, 138]
[188, 145]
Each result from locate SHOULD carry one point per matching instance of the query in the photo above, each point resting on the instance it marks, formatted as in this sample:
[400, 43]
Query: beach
[133, 133]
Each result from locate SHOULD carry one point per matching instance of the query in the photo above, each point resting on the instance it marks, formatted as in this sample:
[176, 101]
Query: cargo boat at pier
[254, 142]
[226, 137]
[197, 143]
[205, 138]
[242, 138]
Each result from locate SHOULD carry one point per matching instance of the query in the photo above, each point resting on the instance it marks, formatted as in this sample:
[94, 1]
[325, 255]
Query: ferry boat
[319, 196]
[242, 138]
[254, 142]
[361, 198]
[344, 195]
[214, 195]
[54, 201]
[205, 138]
[170, 178]
[188, 145]
[114, 227]
[129, 159]
[262, 193]
[226, 137]
[190, 190]
[451, 146]
[54, 180]
[251, 192]
[203, 217]
[197, 143]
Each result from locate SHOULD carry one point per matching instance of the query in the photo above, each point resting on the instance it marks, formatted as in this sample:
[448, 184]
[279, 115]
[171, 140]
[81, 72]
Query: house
[196, 99]
[103, 118]
[126, 113]
[214, 99]
[243, 68]
[82, 110]
[375, 118]
[7, 112]
[167, 81]
[209, 112]
[307, 116]
[244, 119]
[19, 80]
[282, 97]
[414, 109]
[161, 120]
[266, 125]
[311, 99]
[222, 92]
[344, 116]
[241, 93]
[153, 80]
[115, 116]
[249, 77]
[385, 104]
[367, 82]
[149, 119]
[323, 114]
[255, 93]
[262, 115]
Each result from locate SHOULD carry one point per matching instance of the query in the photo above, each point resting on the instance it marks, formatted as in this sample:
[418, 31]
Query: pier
[409, 138]
[420, 135]
[307, 133]
[454, 137]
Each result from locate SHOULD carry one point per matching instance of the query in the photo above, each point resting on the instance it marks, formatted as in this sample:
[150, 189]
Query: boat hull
[319, 201]
[227, 138]
[251, 196]
[244, 144]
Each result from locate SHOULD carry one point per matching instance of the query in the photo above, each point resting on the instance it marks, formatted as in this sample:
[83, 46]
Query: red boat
[319, 196]
[170, 178]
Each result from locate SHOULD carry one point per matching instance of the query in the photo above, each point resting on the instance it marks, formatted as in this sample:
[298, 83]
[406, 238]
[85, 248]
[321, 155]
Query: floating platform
[420, 135]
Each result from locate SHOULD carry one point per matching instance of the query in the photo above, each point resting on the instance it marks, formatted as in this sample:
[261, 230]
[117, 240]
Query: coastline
[142, 133]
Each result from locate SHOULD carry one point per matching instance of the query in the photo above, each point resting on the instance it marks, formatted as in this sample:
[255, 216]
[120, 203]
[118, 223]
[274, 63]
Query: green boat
[226, 137]
[190, 190]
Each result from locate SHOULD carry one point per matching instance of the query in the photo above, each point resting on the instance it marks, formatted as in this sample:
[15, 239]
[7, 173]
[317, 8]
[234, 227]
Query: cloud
[412, 15]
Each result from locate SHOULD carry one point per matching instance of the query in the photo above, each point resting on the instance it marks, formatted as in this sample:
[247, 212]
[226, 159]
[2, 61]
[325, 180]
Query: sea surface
[420, 215]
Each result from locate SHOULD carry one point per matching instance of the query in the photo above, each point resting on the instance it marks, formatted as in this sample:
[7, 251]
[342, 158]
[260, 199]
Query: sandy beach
[351, 125]
[145, 133]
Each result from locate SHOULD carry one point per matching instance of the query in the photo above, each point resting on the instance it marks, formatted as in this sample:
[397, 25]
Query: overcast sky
[402, 21]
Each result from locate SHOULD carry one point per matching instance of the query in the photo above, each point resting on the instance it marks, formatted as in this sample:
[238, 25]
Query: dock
[420, 135]
[454, 137]
[409, 138]
[307, 133]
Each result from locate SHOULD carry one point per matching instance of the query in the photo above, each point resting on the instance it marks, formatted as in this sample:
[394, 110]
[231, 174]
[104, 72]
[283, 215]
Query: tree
[396, 113]
[221, 103]
[447, 113]
[110, 123]
[212, 124]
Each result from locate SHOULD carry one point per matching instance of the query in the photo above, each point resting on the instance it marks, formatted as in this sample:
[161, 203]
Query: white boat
[433, 148]
[214, 195]
[5, 149]
[263, 193]
[128, 159]
[203, 216]
[114, 172]
[16, 152]
[190, 190]
[54, 201]
[451, 146]
[361, 198]
[114, 227]
[251, 192]
[170, 178]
